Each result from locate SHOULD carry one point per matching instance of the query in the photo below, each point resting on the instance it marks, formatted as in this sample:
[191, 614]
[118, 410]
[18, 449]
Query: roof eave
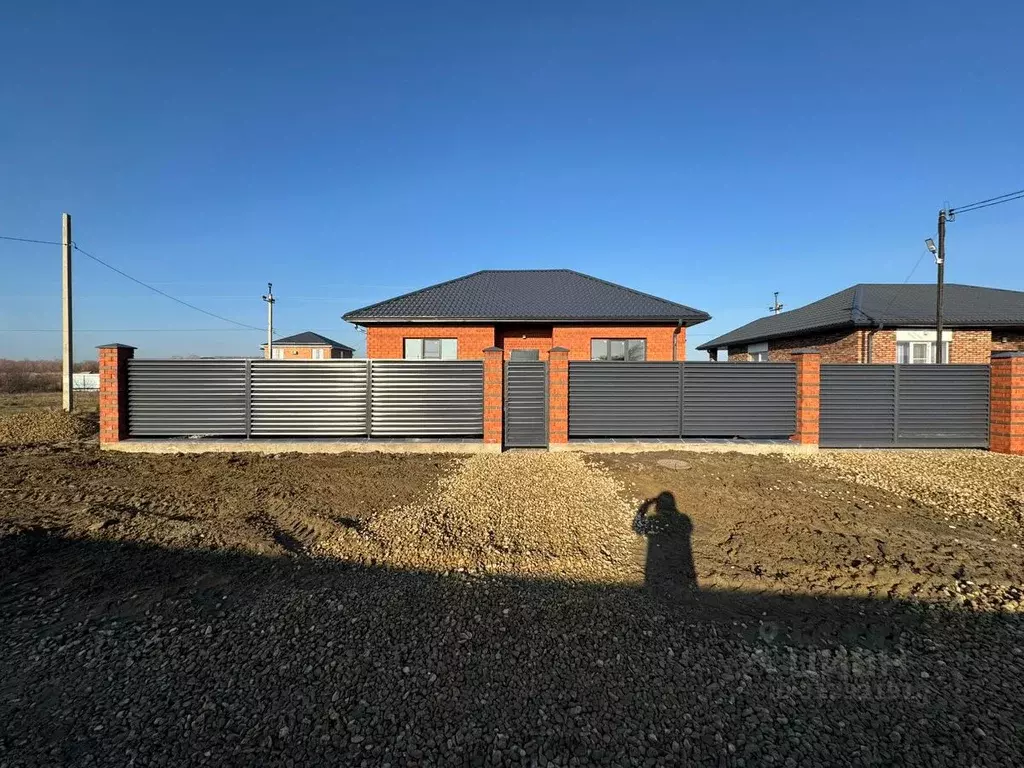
[686, 321]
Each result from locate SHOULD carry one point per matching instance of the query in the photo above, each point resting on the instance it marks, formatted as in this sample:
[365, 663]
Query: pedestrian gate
[526, 404]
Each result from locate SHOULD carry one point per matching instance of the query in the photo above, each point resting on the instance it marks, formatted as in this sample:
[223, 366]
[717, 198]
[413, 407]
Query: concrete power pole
[269, 298]
[940, 280]
[67, 356]
[775, 308]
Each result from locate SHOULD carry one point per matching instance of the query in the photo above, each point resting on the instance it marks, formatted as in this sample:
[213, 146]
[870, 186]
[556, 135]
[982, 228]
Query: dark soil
[259, 504]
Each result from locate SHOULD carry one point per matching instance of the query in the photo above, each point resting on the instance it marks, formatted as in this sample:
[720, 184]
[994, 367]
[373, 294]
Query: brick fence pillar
[558, 395]
[114, 391]
[494, 395]
[1006, 422]
[808, 396]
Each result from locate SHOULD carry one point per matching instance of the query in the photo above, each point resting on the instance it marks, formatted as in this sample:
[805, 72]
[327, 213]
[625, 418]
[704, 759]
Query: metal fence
[906, 406]
[681, 400]
[329, 398]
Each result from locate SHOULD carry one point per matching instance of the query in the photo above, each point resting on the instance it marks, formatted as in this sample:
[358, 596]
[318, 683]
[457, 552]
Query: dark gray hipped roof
[309, 339]
[528, 295]
[889, 305]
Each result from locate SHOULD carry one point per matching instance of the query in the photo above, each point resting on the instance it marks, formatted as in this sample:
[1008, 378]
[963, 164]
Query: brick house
[526, 313]
[308, 346]
[884, 323]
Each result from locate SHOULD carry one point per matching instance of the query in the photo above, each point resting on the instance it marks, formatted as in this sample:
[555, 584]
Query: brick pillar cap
[558, 349]
[493, 349]
[115, 346]
[1004, 355]
[808, 351]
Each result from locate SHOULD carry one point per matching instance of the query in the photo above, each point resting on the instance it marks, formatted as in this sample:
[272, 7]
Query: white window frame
[758, 352]
[317, 353]
[722, 355]
[917, 347]
[277, 353]
[447, 348]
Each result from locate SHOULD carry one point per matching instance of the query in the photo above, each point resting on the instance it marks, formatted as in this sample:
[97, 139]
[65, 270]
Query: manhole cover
[673, 464]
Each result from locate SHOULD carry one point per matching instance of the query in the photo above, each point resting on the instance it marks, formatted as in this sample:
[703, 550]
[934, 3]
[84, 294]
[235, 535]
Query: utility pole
[67, 356]
[775, 308]
[269, 298]
[940, 260]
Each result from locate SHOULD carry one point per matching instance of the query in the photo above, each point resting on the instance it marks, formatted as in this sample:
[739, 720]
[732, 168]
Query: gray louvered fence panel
[178, 398]
[526, 404]
[739, 399]
[858, 406]
[430, 397]
[305, 398]
[943, 406]
[609, 399]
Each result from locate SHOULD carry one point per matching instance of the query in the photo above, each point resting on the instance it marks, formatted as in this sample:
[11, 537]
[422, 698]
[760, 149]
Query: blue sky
[708, 153]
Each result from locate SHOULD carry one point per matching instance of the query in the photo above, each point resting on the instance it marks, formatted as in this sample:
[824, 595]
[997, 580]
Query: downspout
[675, 341]
[871, 343]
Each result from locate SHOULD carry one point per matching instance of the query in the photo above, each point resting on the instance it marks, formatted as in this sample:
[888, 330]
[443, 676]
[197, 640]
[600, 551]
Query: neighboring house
[526, 313]
[884, 323]
[308, 346]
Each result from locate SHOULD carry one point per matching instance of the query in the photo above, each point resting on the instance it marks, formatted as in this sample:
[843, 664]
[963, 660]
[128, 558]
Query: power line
[164, 293]
[29, 240]
[978, 206]
[990, 201]
[133, 330]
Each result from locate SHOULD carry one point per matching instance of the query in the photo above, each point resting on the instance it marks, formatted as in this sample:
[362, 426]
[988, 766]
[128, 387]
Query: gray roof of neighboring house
[872, 304]
[527, 295]
[309, 339]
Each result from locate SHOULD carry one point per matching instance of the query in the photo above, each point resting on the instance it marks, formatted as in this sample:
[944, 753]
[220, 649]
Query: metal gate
[526, 404]
[905, 406]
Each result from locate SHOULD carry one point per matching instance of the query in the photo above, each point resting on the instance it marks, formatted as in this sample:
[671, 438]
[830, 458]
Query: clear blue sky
[708, 153]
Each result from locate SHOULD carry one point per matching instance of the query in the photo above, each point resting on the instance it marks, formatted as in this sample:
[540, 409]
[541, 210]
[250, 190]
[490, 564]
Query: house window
[619, 350]
[919, 352]
[318, 354]
[277, 353]
[758, 352]
[431, 349]
[914, 347]
[723, 355]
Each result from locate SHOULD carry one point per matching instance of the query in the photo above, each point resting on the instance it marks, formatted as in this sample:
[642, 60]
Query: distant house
[526, 313]
[308, 346]
[884, 323]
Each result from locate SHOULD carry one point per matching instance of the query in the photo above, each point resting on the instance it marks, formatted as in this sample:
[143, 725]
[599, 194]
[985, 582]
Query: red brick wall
[306, 353]
[968, 346]
[1007, 341]
[388, 341]
[808, 397]
[558, 396]
[113, 400]
[510, 337]
[576, 338]
[835, 347]
[1006, 433]
[494, 372]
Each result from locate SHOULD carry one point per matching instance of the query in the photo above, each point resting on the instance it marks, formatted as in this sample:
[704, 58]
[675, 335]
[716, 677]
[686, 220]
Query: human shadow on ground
[117, 652]
[669, 569]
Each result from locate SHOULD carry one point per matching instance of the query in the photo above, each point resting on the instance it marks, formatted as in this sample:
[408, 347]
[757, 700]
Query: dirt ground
[526, 608]
[731, 522]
